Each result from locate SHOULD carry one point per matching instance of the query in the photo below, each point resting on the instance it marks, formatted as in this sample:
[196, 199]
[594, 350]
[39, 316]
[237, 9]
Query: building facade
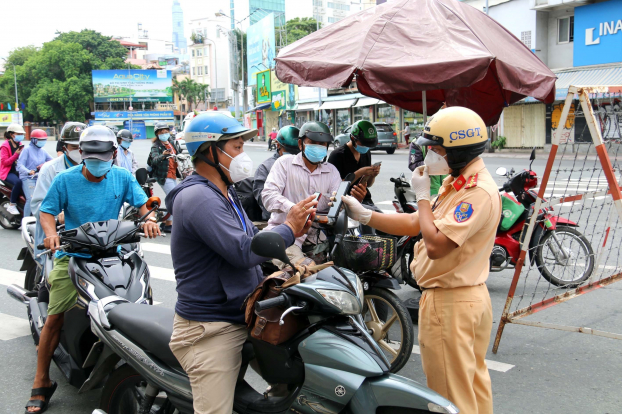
[179, 40]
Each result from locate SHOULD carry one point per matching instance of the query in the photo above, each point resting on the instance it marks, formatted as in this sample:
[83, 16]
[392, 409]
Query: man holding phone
[355, 157]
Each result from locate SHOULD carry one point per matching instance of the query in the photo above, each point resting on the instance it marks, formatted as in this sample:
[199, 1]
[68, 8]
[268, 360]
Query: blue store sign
[598, 33]
[109, 115]
[139, 131]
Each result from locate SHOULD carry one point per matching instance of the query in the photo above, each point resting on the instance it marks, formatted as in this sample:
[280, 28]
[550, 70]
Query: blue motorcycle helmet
[212, 127]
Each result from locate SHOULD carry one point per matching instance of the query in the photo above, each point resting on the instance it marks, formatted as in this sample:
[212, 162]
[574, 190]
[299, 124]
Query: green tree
[102, 47]
[298, 28]
[19, 56]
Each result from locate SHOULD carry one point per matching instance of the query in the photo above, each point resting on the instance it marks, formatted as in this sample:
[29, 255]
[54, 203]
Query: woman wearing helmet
[30, 162]
[163, 163]
[125, 156]
[9, 153]
[214, 267]
[459, 228]
[286, 143]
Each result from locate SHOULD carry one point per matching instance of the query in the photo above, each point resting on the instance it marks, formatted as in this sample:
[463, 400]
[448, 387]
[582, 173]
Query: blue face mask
[361, 149]
[97, 167]
[39, 143]
[18, 138]
[125, 144]
[315, 153]
[164, 137]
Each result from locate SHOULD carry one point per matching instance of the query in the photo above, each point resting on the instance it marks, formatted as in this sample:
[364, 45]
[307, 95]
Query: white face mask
[240, 168]
[75, 156]
[437, 165]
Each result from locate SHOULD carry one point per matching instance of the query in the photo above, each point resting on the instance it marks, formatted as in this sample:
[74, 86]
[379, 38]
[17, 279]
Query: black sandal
[45, 392]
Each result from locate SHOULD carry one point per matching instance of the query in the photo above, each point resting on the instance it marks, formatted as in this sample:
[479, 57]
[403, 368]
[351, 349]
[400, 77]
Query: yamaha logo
[340, 391]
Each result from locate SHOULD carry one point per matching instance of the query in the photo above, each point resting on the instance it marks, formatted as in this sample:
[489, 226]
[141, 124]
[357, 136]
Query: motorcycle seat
[151, 328]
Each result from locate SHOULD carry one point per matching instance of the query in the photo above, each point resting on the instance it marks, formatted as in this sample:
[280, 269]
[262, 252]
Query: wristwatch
[153, 219]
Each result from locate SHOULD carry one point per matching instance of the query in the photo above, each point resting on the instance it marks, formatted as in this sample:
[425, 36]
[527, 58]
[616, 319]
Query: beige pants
[211, 355]
[454, 332]
[294, 253]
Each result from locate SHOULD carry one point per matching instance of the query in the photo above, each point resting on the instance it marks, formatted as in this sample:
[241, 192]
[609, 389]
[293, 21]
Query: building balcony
[548, 5]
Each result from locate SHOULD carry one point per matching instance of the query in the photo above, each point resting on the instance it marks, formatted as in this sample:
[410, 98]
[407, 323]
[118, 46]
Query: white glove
[355, 210]
[420, 183]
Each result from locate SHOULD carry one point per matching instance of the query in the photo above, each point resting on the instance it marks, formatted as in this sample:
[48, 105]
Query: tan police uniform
[455, 315]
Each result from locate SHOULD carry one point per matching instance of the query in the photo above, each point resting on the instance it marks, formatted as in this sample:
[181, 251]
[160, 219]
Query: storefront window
[389, 114]
[343, 120]
[325, 115]
[363, 113]
[415, 120]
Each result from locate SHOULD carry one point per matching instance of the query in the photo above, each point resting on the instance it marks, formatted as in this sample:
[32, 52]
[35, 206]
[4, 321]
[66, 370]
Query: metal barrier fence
[571, 244]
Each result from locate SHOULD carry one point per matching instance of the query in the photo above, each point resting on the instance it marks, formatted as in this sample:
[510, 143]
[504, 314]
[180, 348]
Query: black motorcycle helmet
[70, 134]
[125, 135]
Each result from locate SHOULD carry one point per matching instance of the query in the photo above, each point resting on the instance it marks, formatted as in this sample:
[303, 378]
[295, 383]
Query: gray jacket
[260, 181]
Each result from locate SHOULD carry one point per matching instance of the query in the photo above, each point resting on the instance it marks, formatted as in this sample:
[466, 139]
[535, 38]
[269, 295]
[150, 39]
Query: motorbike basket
[366, 253]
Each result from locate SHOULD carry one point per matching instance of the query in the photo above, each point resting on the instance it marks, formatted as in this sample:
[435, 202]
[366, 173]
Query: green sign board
[264, 90]
[278, 101]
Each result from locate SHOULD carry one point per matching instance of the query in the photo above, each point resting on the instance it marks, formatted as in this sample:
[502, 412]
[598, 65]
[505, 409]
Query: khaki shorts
[63, 293]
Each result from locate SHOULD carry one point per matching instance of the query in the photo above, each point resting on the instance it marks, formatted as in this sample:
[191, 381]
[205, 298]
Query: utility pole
[319, 90]
[15, 80]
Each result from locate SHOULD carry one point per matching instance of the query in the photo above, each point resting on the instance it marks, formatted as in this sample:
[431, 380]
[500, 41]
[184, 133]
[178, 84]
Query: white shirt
[290, 182]
[44, 181]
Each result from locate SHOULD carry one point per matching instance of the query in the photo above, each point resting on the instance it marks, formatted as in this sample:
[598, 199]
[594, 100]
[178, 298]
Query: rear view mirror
[533, 154]
[153, 202]
[501, 171]
[141, 176]
[270, 244]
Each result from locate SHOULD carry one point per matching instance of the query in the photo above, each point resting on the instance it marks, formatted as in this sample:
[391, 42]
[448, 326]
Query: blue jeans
[167, 187]
[28, 185]
[16, 191]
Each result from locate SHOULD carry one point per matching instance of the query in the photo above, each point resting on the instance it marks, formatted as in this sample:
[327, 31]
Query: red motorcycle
[562, 254]
[8, 220]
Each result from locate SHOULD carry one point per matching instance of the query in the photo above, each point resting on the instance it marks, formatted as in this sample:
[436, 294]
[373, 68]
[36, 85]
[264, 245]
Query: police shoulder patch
[463, 212]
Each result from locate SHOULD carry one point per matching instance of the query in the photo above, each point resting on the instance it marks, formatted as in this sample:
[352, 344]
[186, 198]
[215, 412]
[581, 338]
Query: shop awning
[259, 107]
[307, 106]
[346, 103]
[367, 102]
[595, 76]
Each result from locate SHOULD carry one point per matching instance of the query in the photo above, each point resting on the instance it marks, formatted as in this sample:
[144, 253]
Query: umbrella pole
[425, 108]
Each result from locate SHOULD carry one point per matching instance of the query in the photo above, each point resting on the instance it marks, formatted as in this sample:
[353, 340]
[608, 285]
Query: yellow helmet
[460, 131]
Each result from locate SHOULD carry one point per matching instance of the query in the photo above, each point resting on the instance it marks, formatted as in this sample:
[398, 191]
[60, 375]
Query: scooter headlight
[359, 288]
[345, 301]
[447, 409]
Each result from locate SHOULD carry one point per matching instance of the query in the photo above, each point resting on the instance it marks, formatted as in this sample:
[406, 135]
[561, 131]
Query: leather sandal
[45, 392]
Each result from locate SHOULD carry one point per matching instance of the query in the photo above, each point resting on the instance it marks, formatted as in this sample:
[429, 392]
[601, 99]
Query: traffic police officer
[451, 263]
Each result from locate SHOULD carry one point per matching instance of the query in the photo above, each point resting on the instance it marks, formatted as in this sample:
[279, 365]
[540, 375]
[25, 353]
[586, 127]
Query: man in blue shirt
[215, 268]
[86, 193]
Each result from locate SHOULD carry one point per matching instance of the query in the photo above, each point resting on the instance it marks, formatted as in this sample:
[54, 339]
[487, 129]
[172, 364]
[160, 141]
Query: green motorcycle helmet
[316, 131]
[365, 133]
[288, 139]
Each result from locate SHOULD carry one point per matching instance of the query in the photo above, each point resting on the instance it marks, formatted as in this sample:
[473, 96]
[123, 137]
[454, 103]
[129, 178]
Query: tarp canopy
[345, 103]
[455, 53]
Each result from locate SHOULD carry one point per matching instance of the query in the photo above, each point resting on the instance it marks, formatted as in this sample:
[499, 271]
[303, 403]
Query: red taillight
[395, 134]
[397, 207]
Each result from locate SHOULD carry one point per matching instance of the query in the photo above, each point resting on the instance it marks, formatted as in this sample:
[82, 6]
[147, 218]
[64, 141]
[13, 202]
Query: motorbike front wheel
[124, 392]
[389, 322]
[569, 266]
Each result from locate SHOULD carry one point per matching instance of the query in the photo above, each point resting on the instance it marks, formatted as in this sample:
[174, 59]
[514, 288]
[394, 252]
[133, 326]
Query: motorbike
[7, 220]
[555, 244]
[332, 365]
[131, 213]
[107, 267]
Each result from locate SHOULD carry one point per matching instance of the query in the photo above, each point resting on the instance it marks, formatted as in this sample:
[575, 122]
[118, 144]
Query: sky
[33, 22]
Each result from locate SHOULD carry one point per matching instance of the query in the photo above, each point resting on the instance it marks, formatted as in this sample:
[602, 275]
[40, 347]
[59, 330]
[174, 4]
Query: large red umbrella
[396, 50]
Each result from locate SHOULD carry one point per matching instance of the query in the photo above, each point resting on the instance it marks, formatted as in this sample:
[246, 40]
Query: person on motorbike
[30, 162]
[295, 177]
[163, 163]
[70, 145]
[271, 139]
[94, 191]
[286, 143]
[355, 157]
[214, 267]
[125, 156]
[455, 314]
[9, 153]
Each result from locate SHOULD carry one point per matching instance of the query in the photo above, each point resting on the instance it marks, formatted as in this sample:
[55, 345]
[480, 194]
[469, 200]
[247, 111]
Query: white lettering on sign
[604, 29]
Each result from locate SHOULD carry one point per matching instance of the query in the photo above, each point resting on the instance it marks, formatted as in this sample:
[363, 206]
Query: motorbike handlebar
[271, 303]
[393, 180]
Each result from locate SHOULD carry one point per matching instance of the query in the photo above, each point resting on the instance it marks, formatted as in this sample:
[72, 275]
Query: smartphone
[364, 180]
[316, 197]
[377, 164]
[343, 189]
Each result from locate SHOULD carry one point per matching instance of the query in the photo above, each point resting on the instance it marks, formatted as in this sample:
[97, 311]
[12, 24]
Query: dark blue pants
[17, 187]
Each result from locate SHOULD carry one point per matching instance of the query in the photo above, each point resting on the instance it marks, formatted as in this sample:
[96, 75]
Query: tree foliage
[191, 90]
[300, 27]
[55, 81]
[19, 56]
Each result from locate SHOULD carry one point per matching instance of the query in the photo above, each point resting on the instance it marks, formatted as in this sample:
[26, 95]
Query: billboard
[264, 89]
[121, 115]
[140, 85]
[260, 47]
[291, 91]
[8, 118]
[597, 33]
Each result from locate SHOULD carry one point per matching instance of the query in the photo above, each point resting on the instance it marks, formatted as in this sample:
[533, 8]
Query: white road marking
[13, 327]
[156, 248]
[10, 277]
[388, 202]
[494, 365]
[162, 273]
